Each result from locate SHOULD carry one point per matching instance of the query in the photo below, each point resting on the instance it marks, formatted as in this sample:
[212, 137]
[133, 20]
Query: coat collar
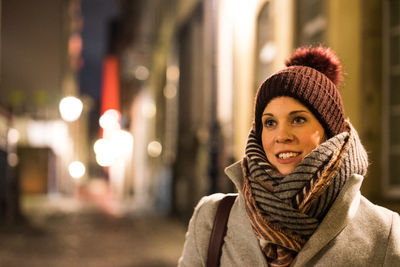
[235, 174]
[340, 214]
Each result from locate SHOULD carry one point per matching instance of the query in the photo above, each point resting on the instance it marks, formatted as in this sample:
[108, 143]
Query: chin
[285, 171]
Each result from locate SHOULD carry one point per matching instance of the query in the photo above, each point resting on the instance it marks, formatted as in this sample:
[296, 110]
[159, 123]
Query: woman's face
[290, 132]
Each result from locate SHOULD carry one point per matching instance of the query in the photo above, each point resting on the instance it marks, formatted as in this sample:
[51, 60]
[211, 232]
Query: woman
[299, 201]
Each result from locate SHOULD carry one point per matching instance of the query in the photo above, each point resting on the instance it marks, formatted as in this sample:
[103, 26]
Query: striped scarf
[285, 211]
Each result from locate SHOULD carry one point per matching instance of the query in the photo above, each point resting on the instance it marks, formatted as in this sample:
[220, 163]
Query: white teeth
[287, 155]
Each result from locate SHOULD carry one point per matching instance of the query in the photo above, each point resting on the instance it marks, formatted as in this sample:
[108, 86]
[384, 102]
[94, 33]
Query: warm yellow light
[101, 146]
[142, 73]
[118, 143]
[121, 141]
[105, 154]
[149, 108]
[110, 120]
[170, 91]
[104, 159]
[76, 169]
[154, 149]
[172, 73]
[13, 136]
[268, 53]
[70, 108]
[13, 159]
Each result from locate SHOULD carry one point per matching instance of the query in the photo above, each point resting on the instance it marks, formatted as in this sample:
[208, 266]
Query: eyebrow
[291, 113]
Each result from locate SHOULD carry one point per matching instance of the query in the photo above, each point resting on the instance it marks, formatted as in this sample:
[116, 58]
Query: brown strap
[219, 230]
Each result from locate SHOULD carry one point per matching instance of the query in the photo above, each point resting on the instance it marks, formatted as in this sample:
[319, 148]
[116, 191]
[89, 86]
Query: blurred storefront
[40, 57]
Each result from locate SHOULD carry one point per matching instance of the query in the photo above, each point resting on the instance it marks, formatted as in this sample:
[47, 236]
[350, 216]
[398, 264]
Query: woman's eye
[299, 120]
[269, 123]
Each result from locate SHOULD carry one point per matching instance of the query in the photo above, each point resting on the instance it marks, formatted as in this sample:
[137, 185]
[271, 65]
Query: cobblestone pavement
[77, 235]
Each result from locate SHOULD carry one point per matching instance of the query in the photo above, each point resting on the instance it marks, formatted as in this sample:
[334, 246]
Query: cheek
[318, 137]
[266, 143]
[313, 138]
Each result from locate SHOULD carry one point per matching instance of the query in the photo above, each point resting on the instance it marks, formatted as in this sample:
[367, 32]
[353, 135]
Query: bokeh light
[121, 142]
[70, 108]
[110, 120]
[13, 136]
[76, 169]
[117, 143]
[12, 159]
[142, 73]
[170, 91]
[105, 159]
[149, 108]
[173, 73]
[102, 146]
[154, 149]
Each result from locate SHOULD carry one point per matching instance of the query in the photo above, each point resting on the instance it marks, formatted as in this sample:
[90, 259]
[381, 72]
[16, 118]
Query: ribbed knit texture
[309, 86]
[285, 211]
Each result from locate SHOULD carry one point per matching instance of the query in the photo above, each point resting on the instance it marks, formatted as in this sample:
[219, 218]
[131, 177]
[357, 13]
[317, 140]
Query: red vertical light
[110, 86]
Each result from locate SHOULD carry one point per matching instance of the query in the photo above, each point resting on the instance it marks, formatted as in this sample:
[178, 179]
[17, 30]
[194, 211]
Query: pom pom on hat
[311, 76]
[322, 59]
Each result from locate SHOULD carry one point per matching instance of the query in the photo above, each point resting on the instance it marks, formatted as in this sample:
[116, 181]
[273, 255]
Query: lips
[287, 155]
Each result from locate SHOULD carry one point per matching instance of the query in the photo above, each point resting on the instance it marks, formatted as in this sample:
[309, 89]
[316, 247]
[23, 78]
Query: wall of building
[216, 47]
[33, 55]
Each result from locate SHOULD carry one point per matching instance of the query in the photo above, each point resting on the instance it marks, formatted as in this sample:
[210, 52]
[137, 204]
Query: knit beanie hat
[311, 75]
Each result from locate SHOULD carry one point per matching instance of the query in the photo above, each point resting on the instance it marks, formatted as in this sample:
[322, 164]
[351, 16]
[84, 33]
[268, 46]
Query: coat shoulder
[376, 229]
[205, 211]
[370, 238]
[199, 231]
[379, 215]
[372, 221]
[387, 223]
[208, 205]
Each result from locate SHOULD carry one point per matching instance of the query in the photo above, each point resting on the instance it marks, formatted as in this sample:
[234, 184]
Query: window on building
[266, 47]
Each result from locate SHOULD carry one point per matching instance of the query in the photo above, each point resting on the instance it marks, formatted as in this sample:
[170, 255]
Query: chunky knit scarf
[285, 211]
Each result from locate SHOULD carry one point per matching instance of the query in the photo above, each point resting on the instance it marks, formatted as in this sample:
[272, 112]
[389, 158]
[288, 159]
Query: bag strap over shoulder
[219, 230]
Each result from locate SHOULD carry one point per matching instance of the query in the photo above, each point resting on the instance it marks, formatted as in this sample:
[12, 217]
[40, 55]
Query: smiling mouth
[288, 155]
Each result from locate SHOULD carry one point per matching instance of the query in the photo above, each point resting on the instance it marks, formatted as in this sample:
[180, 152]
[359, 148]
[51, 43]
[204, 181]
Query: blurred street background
[70, 232]
[117, 116]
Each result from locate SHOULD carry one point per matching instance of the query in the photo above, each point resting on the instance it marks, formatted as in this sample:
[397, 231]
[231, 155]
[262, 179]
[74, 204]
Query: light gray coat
[354, 232]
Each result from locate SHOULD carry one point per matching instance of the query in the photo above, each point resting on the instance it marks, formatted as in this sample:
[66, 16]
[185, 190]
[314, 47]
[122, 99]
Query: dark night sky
[97, 14]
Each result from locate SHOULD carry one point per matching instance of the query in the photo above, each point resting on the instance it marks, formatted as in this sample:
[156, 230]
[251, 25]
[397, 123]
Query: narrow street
[68, 232]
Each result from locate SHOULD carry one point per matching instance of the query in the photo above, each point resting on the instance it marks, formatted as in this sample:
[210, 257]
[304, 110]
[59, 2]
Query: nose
[284, 135]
